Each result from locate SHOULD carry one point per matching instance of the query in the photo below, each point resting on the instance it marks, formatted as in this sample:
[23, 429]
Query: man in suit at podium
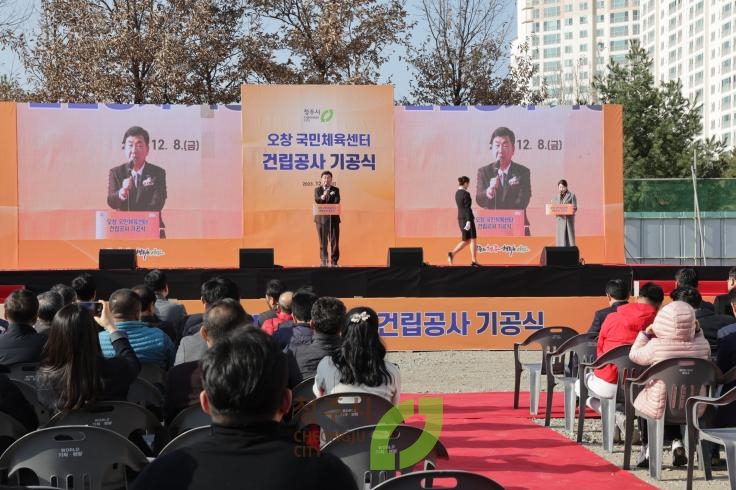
[504, 184]
[328, 227]
[137, 185]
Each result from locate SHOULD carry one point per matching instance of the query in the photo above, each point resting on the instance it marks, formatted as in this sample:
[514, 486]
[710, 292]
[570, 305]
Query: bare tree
[143, 51]
[336, 41]
[465, 57]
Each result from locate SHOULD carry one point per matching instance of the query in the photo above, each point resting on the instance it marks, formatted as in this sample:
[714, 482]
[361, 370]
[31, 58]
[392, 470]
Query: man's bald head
[285, 302]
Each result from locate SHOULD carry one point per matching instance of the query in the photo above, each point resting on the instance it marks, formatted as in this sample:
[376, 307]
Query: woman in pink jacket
[674, 333]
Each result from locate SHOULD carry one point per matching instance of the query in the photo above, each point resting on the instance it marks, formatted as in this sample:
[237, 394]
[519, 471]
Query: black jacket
[310, 349]
[21, 343]
[265, 454]
[601, 315]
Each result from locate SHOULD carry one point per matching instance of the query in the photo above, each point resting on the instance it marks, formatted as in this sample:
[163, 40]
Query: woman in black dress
[466, 220]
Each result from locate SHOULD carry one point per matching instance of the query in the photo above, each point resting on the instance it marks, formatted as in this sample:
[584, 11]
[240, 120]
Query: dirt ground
[473, 371]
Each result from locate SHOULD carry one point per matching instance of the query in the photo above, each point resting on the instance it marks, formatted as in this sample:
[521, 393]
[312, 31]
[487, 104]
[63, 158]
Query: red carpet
[483, 433]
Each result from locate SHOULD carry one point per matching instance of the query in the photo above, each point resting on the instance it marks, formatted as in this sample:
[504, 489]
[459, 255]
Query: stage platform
[384, 282]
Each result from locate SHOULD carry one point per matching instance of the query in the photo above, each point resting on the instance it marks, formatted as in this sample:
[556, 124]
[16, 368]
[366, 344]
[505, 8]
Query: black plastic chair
[725, 436]
[340, 412]
[134, 422]
[82, 457]
[146, 394]
[354, 449]
[619, 357]
[302, 394]
[154, 374]
[548, 338]
[187, 438]
[578, 349]
[10, 430]
[189, 418]
[462, 480]
[684, 377]
[25, 372]
[31, 395]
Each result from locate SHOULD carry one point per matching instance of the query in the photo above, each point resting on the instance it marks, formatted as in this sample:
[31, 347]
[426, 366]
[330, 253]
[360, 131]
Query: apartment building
[572, 40]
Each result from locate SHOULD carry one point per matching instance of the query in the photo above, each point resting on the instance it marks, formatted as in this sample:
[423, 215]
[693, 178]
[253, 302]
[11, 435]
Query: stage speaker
[560, 256]
[405, 257]
[123, 258]
[253, 258]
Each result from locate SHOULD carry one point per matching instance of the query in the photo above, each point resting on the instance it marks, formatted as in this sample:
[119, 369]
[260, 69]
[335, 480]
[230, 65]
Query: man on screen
[328, 227]
[137, 185]
[504, 184]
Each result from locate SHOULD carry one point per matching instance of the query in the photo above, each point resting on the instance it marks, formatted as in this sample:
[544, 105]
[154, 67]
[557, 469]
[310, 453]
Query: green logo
[326, 115]
[382, 458]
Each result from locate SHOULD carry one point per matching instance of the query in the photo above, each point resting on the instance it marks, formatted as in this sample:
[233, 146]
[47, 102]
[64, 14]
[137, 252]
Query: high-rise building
[693, 40]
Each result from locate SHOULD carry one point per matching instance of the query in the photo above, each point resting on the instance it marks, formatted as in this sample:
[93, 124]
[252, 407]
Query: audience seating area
[687, 380]
[108, 443]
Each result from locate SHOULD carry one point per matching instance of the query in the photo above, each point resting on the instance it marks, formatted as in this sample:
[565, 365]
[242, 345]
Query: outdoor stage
[385, 282]
[420, 308]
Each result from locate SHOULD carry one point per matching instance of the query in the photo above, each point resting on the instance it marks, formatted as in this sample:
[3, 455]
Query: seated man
[617, 292]
[148, 311]
[246, 395]
[49, 303]
[710, 322]
[184, 381]
[328, 318]
[726, 359]
[687, 276]
[283, 314]
[149, 344]
[85, 287]
[192, 347]
[301, 310]
[274, 289]
[722, 303]
[68, 294]
[166, 310]
[21, 343]
[620, 328]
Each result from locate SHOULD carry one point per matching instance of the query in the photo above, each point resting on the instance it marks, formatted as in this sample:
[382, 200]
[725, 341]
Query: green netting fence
[676, 195]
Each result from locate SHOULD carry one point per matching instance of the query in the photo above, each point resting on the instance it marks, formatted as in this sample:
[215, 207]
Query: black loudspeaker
[560, 256]
[122, 258]
[405, 257]
[251, 258]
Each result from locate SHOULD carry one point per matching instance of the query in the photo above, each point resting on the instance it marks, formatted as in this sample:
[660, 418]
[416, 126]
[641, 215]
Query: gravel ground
[472, 371]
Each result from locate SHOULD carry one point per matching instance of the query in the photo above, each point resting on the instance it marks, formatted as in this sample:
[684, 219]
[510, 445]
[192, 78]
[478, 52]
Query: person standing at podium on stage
[137, 185]
[328, 227]
[466, 220]
[565, 232]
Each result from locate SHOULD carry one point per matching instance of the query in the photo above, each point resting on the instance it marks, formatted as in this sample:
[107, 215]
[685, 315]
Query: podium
[554, 209]
[127, 225]
[326, 209]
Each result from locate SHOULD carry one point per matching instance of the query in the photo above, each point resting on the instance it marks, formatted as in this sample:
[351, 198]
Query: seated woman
[674, 333]
[359, 365]
[73, 373]
[620, 328]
